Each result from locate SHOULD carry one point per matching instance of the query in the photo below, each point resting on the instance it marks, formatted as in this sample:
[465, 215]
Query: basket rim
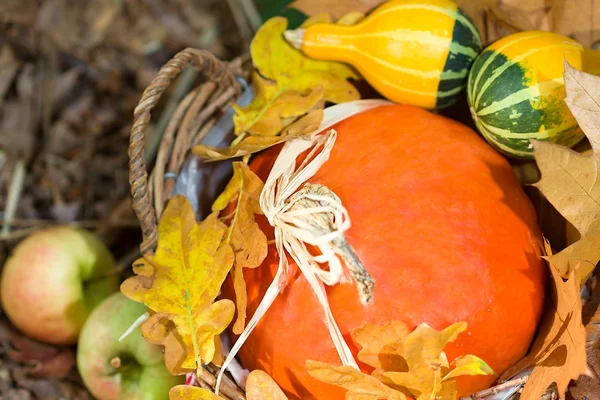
[199, 102]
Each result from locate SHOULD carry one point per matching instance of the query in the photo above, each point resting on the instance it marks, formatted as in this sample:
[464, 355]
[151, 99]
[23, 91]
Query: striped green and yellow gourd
[411, 51]
[516, 91]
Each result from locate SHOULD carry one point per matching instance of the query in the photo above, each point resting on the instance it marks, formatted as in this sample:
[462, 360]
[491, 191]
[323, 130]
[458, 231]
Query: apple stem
[115, 363]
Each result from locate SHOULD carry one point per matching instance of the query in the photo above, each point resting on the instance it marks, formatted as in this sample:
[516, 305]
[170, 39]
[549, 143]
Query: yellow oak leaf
[570, 180]
[260, 386]
[279, 61]
[283, 77]
[382, 345]
[290, 92]
[219, 357]
[469, 365]
[427, 364]
[270, 112]
[302, 128]
[249, 242]
[359, 385]
[187, 392]
[407, 364]
[558, 354]
[179, 285]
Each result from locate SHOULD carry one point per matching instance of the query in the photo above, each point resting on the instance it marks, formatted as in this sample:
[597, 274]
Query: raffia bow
[304, 214]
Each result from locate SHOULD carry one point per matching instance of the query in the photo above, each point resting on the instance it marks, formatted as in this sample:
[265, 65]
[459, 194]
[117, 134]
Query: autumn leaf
[406, 363]
[187, 392]
[558, 354]
[258, 119]
[429, 375]
[179, 284]
[359, 385]
[469, 365]
[570, 180]
[249, 242]
[567, 20]
[260, 386]
[381, 346]
[279, 61]
[303, 128]
[498, 18]
[290, 91]
[284, 80]
[218, 358]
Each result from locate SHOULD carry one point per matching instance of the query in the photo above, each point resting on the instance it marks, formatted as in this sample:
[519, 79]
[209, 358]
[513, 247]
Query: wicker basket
[191, 121]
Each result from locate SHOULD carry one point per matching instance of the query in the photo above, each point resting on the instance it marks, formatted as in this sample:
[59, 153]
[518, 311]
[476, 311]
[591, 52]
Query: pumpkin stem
[295, 37]
[314, 196]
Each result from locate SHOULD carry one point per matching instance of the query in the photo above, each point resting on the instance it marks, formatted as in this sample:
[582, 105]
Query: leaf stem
[192, 330]
[434, 389]
[238, 139]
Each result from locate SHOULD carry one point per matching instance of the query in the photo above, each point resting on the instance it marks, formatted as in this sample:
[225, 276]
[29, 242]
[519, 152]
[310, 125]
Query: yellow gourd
[411, 51]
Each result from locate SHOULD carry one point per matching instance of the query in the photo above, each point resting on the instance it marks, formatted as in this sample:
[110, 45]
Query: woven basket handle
[212, 68]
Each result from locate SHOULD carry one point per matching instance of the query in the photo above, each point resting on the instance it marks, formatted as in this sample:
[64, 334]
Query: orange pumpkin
[443, 226]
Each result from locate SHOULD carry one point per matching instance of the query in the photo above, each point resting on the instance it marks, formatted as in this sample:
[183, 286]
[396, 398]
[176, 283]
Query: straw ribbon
[307, 215]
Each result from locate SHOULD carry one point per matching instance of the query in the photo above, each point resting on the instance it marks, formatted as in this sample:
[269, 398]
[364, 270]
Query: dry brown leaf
[260, 386]
[558, 354]
[560, 16]
[9, 66]
[569, 179]
[249, 242]
[180, 283]
[524, 15]
[577, 18]
[40, 359]
[586, 388]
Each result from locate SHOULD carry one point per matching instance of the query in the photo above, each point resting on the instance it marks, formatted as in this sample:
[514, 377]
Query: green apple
[130, 369]
[53, 280]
